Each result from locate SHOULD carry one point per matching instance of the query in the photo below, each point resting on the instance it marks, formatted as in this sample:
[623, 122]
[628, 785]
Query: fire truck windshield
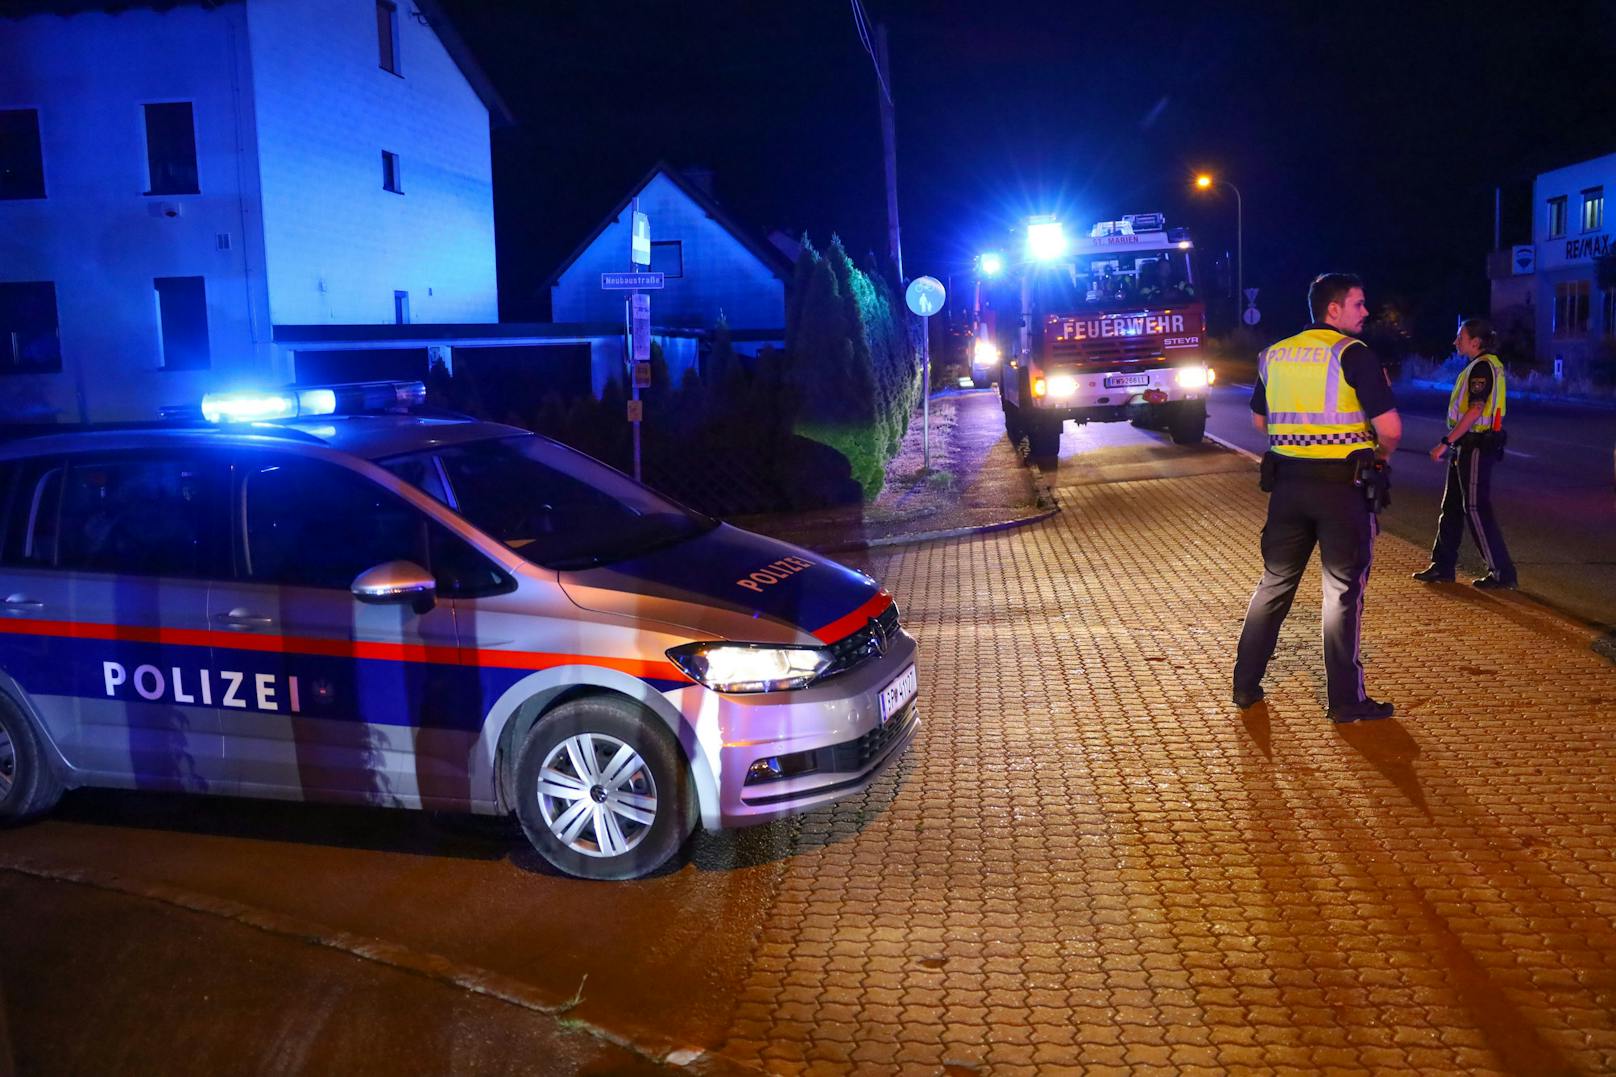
[1106, 280]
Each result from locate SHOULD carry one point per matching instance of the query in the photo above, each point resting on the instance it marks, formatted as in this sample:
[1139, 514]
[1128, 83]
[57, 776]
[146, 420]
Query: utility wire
[861, 23]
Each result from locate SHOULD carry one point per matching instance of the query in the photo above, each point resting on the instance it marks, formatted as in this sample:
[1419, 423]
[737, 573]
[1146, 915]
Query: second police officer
[1326, 405]
[1473, 443]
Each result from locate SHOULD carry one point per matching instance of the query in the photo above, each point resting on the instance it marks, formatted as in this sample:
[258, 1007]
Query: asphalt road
[1554, 492]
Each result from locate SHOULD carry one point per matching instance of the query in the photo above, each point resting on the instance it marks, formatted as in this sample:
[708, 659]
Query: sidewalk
[1092, 860]
[977, 481]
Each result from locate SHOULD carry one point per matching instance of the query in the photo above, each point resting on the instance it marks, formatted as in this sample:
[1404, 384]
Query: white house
[178, 180]
[1575, 280]
[712, 265]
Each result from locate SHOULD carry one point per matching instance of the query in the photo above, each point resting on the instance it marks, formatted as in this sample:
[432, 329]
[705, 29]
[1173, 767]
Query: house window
[1593, 209]
[668, 257]
[170, 149]
[1607, 311]
[390, 178]
[401, 308]
[1557, 217]
[1571, 308]
[22, 167]
[387, 34]
[29, 342]
[182, 317]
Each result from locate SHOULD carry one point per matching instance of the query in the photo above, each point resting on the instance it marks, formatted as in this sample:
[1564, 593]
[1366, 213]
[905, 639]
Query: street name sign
[630, 282]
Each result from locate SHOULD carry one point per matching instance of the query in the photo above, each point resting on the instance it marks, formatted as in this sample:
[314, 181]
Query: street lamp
[991, 263]
[1205, 182]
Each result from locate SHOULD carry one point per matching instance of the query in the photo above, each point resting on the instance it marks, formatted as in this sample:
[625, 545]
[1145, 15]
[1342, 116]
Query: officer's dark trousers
[1468, 500]
[1303, 512]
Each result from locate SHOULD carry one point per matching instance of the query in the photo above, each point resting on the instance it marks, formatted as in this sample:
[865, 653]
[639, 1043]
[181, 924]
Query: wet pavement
[1088, 862]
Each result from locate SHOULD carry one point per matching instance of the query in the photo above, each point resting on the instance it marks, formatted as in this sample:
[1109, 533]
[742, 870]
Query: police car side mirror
[396, 582]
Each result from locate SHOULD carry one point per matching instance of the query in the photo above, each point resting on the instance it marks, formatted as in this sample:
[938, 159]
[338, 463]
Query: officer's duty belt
[1297, 468]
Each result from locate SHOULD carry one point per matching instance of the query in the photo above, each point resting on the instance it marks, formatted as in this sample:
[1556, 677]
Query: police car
[332, 595]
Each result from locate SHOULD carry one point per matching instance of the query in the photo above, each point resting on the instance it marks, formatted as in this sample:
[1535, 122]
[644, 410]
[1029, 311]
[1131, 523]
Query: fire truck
[1111, 329]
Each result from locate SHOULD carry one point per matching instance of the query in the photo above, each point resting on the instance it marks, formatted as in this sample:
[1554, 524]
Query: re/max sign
[1588, 247]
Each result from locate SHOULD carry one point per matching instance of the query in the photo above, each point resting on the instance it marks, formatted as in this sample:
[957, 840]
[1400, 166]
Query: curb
[393, 955]
[1232, 447]
[934, 536]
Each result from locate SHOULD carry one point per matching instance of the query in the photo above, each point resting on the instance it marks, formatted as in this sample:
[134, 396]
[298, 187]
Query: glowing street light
[1205, 181]
[1046, 238]
[991, 263]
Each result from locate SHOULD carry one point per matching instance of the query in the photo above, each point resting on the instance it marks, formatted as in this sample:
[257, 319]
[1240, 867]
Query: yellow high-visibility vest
[1313, 414]
[1492, 411]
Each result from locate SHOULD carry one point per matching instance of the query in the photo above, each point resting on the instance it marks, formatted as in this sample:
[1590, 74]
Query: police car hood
[731, 584]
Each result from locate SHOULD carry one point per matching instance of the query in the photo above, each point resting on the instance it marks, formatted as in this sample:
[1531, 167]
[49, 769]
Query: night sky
[1363, 137]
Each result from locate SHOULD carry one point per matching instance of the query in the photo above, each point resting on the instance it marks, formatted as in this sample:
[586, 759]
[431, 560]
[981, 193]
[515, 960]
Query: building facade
[713, 265]
[177, 181]
[1574, 283]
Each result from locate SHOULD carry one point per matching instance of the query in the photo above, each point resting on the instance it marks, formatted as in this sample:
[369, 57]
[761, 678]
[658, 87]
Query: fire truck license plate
[1122, 381]
[895, 695]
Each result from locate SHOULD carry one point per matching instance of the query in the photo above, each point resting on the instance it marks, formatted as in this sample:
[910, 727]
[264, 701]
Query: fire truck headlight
[1040, 387]
[1062, 386]
[1194, 377]
[985, 353]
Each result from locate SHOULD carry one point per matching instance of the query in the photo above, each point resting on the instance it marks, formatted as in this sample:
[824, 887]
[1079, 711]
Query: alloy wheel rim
[8, 761]
[596, 795]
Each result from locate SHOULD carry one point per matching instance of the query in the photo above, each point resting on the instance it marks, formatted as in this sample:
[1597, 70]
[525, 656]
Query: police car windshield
[555, 507]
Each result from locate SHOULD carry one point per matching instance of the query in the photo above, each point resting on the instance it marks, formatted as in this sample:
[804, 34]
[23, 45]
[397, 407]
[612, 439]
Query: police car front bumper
[779, 753]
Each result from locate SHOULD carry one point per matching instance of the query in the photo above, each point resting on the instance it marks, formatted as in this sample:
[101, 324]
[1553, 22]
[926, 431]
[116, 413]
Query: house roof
[764, 251]
[499, 114]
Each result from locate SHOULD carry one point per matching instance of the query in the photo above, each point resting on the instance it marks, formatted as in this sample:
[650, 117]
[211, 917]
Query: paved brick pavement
[1091, 863]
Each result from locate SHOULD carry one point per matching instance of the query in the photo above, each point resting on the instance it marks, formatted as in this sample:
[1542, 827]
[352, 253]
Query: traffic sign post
[1252, 315]
[636, 317]
[925, 296]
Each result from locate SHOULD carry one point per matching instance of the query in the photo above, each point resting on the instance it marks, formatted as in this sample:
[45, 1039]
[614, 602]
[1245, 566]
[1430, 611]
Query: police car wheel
[604, 790]
[28, 784]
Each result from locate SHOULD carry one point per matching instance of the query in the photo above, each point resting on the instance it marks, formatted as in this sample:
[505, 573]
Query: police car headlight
[742, 667]
[1193, 377]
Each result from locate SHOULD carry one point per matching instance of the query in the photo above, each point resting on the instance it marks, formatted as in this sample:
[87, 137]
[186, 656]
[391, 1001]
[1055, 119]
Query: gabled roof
[499, 114]
[764, 251]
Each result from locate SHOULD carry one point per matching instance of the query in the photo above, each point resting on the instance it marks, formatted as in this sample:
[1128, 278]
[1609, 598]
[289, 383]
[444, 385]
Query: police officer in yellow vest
[1473, 444]
[1326, 405]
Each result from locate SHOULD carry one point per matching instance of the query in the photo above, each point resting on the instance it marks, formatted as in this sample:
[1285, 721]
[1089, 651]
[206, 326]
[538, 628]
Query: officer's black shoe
[1432, 574]
[1490, 582]
[1365, 710]
[1244, 699]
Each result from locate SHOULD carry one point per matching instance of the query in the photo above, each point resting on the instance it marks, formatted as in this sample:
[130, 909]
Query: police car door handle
[241, 617]
[18, 603]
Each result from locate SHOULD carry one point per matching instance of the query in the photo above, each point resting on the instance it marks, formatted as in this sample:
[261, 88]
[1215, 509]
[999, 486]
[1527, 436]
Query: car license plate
[1122, 381]
[897, 694]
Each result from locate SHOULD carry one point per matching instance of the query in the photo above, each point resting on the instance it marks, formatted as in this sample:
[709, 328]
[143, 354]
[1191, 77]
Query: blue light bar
[294, 402]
